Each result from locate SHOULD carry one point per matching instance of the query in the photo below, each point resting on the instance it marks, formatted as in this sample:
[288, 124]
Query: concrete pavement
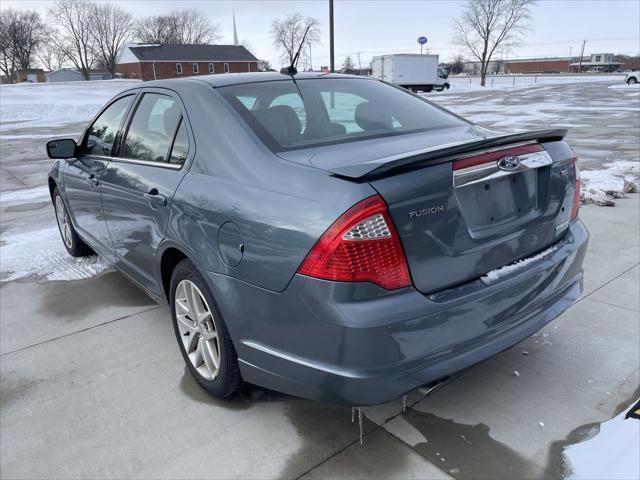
[92, 385]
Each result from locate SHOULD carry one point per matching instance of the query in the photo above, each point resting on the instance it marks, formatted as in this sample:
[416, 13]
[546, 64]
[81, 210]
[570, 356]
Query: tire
[74, 245]
[446, 86]
[206, 339]
[632, 80]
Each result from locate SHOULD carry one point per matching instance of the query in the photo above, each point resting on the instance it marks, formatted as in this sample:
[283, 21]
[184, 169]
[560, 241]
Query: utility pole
[359, 65]
[584, 42]
[331, 59]
[570, 59]
[310, 60]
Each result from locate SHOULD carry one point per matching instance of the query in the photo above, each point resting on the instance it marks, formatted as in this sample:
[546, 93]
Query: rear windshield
[287, 115]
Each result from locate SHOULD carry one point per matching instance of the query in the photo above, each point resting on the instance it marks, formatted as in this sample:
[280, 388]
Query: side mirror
[63, 148]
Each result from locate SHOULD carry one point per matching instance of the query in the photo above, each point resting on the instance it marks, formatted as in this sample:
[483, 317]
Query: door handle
[155, 199]
[92, 181]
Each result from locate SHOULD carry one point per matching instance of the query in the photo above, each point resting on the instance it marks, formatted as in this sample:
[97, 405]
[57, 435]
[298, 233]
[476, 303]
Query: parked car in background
[329, 236]
[632, 77]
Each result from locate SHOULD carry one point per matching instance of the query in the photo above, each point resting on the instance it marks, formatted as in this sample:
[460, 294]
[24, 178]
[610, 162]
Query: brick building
[155, 62]
[537, 65]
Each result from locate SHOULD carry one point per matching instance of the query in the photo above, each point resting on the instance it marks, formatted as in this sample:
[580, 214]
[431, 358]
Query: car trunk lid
[462, 218]
[459, 214]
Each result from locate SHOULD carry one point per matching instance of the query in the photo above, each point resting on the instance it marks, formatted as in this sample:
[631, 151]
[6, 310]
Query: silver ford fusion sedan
[331, 237]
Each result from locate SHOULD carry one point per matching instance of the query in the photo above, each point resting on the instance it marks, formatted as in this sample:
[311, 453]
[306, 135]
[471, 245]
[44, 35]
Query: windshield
[288, 115]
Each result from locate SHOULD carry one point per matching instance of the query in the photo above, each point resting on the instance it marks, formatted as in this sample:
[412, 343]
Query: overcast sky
[376, 27]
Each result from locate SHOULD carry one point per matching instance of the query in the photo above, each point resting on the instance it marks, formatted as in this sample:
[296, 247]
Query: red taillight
[361, 246]
[575, 206]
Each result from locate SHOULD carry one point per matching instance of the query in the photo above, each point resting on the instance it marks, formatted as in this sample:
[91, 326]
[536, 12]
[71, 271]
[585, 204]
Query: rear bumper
[357, 344]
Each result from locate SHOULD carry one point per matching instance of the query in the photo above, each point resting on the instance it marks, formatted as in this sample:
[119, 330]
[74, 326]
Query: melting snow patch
[624, 86]
[611, 453]
[497, 274]
[41, 253]
[616, 179]
[28, 195]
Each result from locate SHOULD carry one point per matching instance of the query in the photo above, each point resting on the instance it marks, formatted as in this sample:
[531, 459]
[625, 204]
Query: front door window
[102, 132]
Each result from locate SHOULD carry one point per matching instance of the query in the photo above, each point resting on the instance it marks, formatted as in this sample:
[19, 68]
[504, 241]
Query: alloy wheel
[63, 222]
[197, 328]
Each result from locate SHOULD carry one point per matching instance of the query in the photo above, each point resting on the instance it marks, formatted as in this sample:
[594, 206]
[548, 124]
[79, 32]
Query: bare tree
[487, 25]
[264, 66]
[287, 36]
[247, 44]
[7, 52]
[348, 66]
[111, 27]
[49, 54]
[20, 34]
[73, 35]
[178, 27]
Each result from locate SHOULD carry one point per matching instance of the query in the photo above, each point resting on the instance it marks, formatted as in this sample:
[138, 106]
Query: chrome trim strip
[495, 149]
[490, 171]
[172, 166]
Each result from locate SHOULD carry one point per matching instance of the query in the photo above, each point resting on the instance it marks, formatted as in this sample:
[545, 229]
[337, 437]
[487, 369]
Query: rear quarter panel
[279, 208]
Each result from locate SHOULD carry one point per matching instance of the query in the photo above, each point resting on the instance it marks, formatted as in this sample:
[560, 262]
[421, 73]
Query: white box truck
[416, 72]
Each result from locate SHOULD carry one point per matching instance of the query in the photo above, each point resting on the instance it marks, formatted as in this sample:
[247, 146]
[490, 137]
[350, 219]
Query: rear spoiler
[394, 164]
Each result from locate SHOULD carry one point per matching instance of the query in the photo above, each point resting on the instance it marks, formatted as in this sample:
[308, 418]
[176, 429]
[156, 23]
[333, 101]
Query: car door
[138, 184]
[82, 175]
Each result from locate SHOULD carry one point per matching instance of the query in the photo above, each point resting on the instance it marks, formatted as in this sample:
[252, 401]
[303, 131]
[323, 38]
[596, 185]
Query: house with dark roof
[155, 62]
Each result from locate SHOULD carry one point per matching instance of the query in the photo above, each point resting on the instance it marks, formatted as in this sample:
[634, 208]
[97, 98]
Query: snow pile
[497, 274]
[616, 179]
[54, 104]
[41, 253]
[612, 453]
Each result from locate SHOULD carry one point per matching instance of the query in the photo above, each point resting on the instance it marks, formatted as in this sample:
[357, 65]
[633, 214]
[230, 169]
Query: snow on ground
[610, 182]
[624, 86]
[25, 195]
[612, 453]
[39, 252]
[55, 104]
[509, 82]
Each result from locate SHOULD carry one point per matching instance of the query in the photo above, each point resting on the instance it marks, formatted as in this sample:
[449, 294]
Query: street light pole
[584, 42]
[570, 58]
[331, 59]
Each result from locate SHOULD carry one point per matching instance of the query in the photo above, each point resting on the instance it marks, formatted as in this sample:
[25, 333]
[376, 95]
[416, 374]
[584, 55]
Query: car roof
[226, 79]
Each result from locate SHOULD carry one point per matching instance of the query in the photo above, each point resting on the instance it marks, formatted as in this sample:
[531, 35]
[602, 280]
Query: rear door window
[152, 129]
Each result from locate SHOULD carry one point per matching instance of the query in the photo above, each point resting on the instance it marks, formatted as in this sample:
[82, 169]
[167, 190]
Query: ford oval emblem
[509, 163]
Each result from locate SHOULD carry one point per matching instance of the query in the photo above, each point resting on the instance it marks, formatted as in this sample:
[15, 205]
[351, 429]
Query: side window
[341, 108]
[152, 128]
[180, 147]
[226, 68]
[179, 68]
[195, 67]
[211, 68]
[102, 133]
[294, 101]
